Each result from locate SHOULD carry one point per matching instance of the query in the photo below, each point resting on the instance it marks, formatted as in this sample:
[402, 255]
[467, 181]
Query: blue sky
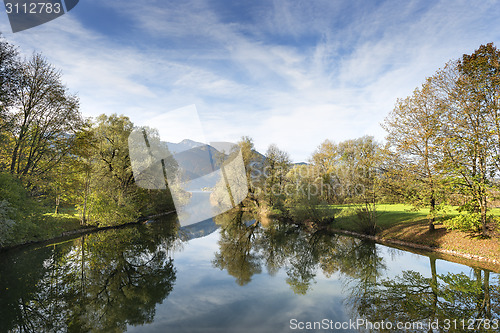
[293, 73]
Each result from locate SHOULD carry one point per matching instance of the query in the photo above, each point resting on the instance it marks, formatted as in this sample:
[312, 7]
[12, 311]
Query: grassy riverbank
[44, 226]
[56, 224]
[401, 222]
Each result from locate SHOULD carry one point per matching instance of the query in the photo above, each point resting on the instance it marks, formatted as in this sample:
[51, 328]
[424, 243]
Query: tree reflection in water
[236, 242]
[441, 303]
[106, 281]
[100, 282]
[245, 247]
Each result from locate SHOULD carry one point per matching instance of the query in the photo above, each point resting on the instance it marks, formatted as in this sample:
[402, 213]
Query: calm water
[231, 275]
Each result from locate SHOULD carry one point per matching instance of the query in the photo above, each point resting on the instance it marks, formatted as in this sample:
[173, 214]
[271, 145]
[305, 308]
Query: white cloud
[297, 75]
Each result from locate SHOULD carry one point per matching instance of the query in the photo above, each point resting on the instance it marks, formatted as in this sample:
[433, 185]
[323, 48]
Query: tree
[112, 197]
[9, 80]
[276, 166]
[325, 161]
[45, 118]
[359, 167]
[109, 194]
[413, 154]
[251, 160]
[346, 171]
[83, 166]
[450, 128]
[469, 99]
[479, 81]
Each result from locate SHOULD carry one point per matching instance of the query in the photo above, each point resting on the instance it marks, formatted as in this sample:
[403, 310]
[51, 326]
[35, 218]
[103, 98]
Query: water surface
[232, 275]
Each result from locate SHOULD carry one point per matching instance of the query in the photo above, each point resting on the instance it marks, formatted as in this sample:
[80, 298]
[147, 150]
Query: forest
[52, 158]
[61, 171]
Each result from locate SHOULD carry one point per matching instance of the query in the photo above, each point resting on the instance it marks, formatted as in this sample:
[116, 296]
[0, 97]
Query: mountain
[185, 144]
[224, 147]
[197, 159]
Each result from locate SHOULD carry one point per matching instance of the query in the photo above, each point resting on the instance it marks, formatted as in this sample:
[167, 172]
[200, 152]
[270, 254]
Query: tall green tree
[82, 163]
[45, 118]
[325, 162]
[108, 193]
[10, 78]
[413, 154]
[251, 161]
[347, 170]
[359, 166]
[276, 166]
[469, 90]
[112, 194]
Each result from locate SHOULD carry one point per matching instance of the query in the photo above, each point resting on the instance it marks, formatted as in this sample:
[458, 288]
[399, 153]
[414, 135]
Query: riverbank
[398, 225]
[67, 226]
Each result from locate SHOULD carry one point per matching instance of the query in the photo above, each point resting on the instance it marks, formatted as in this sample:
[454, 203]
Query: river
[230, 274]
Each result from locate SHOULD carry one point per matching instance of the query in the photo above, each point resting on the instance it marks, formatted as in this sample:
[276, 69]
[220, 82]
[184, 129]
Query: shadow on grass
[416, 231]
[397, 222]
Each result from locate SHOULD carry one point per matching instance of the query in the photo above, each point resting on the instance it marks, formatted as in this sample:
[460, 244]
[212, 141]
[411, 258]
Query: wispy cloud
[289, 72]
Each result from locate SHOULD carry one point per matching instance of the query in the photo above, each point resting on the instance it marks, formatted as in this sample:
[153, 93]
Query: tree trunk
[86, 193]
[487, 299]
[58, 200]
[484, 218]
[18, 145]
[432, 219]
[14, 159]
[434, 287]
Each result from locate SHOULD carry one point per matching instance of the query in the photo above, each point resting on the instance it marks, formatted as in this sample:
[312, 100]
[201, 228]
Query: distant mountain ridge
[194, 158]
[197, 159]
[184, 145]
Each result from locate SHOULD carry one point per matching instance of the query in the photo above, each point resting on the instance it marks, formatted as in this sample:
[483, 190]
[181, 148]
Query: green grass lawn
[53, 225]
[389, 215]
[403, 223]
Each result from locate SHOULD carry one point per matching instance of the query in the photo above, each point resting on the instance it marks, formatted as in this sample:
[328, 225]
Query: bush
[17, 212]
[366, 220]
[107, 210]
[466, 222]
[6, 223]
[314, 210]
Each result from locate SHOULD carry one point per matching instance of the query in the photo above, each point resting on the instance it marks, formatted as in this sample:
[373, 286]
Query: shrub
[366, 219]
[312, 209]
[17, 212]
[466, 222]
[6, 223]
